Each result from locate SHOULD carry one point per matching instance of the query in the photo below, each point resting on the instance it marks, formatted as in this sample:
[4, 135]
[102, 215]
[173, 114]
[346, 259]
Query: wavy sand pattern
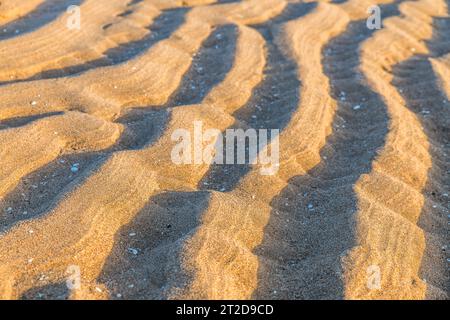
[87, 115]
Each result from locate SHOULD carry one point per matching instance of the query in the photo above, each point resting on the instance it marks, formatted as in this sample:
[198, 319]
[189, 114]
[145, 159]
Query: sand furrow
[385, 242]
[46, 139]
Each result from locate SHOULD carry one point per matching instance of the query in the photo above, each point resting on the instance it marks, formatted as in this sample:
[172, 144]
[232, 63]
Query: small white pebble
[98, 289]
[132, 234]
[357, 107]
[310, 206]
[25, 213]
[131, 286]
[30, 231]
[133, 251]
[118, 295]
[33, 103]
[30, 260]
[74, 169]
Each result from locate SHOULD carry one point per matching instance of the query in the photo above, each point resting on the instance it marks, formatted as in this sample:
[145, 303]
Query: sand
[357, 210]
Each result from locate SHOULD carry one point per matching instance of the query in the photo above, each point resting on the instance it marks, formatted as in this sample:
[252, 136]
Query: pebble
[33, 103]
[30, 260]
[9, 210]
[118, 295]
[98, 289]
[310, 206]
[132, 234]
[357, 107]
[25, 213]
[30, 231]
[75, 167]
[133, 251]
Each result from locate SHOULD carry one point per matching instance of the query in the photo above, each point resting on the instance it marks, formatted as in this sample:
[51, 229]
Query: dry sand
[87, 180]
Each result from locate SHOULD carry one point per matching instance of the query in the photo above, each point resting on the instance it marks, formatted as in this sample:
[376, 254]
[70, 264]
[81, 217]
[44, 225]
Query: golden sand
[86, 118]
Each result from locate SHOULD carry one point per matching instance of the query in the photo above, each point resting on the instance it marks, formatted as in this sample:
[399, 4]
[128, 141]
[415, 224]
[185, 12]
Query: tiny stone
[98, 289]
[133, 251]
[33, 103]
[132, 234]
[310, 206]
[30, 260]
[118, 295]
[357, 107]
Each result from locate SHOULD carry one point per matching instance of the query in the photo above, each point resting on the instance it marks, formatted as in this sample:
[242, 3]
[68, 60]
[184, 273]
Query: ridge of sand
[390, 198]
[57, 46]
[14, 9]
[442, 68]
